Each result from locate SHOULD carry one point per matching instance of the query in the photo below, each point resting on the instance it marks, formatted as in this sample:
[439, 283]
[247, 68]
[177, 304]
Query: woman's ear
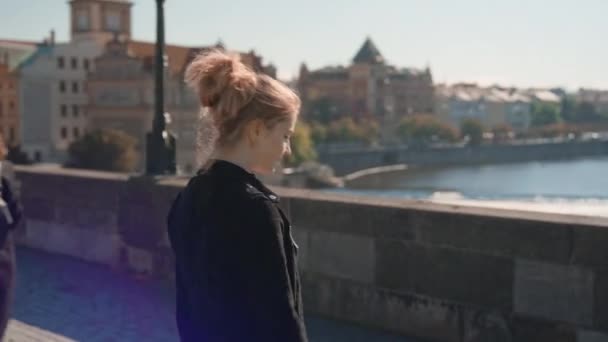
[254, 131]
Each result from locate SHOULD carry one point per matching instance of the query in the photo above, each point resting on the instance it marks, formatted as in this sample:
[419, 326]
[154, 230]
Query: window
[74, 63]
[85, 64]
[75, 110]
[62, 86]
[76, 133]
[60, 63]
[64, 111]
[113, 21]
[64, 133]
[75, 87]
[82, 20]
[37, 156]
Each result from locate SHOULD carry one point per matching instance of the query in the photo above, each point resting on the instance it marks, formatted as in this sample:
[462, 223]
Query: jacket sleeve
[12, 200]
[267, 295]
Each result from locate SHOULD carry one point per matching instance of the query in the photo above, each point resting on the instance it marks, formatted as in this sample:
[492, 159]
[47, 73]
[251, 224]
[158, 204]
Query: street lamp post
[160, 145]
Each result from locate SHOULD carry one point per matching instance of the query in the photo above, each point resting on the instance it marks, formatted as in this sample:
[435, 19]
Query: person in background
[236, 261]
[10, 217]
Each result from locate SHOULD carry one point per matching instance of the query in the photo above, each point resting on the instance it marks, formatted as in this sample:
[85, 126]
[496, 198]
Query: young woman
[236, 267]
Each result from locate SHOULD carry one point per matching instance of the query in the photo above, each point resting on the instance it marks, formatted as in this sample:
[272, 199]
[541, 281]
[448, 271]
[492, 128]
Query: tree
[106, 150]
[302, 145]
[318, 133]
[544, 114]
[568, 109]
[348, 130]
[424, 129]
[472, 129]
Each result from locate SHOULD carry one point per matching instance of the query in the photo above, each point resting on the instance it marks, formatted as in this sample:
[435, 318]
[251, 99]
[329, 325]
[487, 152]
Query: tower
[100, 20]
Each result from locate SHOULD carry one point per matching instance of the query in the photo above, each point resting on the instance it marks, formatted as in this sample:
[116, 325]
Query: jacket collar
[225, 168]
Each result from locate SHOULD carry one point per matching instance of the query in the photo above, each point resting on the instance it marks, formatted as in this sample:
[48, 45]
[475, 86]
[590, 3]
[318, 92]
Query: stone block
[526, 329]
[364, 304]
[600, 314]
[351, 218]
[38, 208]
[591, 336]
[342, 255]
[495, 236]
[589, 247]
[452, 275]
[554, 292]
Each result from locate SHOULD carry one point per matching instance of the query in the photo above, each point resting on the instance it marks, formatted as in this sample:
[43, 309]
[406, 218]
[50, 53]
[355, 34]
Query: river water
[578, 187]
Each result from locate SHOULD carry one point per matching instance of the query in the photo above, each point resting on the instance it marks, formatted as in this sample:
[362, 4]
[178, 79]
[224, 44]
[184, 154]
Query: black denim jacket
[236, 265]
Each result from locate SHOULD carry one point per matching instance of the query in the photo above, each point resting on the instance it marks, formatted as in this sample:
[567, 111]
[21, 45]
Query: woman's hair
[232, 95]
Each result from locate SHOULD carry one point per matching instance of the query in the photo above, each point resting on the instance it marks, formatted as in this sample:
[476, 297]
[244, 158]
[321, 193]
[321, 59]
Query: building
[492, 107]
[121, 93]
[12, 53]
[368, 88]
[597, 98]
[54, 79]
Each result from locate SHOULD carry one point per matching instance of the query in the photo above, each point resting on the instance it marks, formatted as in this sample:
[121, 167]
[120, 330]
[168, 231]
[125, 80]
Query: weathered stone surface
[87, 216]
[494, 235]
[401, 313]
[591, 336]
[96, 246]
[485, 326]
[420, 268]
[601, 300]
[554, 292]
[342, 256]
[350, 218]
[39, 208]
[525, 329]
[453, 275]
[589, 246]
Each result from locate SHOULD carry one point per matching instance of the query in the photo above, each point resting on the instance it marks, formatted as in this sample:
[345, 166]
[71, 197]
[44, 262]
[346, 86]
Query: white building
[492, 106]
[53, 80]
[597, 98]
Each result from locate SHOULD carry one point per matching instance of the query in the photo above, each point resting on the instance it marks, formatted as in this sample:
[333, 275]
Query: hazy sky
[517, 42]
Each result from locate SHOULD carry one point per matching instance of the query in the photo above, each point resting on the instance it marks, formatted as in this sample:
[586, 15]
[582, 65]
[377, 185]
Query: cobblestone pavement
[86, 302]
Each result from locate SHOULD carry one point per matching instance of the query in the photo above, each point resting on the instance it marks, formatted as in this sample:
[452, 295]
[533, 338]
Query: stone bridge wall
[445, 273]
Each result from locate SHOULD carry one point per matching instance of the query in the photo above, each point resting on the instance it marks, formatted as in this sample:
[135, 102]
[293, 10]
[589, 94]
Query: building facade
[121, 94]
[12, 54]
[597, 98]
[492, 106]
[368, 88]
[54, 79]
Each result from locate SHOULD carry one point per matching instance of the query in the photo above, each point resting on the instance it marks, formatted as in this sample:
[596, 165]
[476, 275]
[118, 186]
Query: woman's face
[270, 145]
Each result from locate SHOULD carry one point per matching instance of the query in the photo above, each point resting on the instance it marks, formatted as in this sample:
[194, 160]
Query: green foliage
[544, 114]
[472, 129]
[424, 129]
[347, 130]
[106, 150]
[302, 145]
